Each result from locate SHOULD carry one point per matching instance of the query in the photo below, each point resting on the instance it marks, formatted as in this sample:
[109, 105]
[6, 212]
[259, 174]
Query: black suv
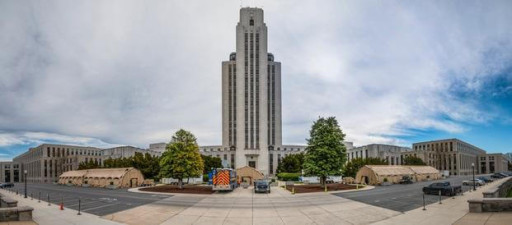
[261, 186]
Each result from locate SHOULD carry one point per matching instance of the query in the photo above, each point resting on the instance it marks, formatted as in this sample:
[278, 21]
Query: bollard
[440, 197]
[325, 189]
[31, 196]
[293, 190]
[39, 199]
[62, 203]
[48, 197]
[424, 202]
[16, 191]
[79, 207]
[357, 186]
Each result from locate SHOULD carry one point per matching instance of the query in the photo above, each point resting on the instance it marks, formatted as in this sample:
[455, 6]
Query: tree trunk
[180, 183]
[322, 181]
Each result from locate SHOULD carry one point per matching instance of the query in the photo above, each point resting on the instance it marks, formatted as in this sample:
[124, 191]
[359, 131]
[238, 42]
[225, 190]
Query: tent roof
[98, 173]
[390, 170]
[423, 169]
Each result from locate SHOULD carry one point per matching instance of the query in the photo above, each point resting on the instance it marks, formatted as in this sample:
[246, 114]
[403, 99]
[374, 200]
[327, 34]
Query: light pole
[25, 177]
[474, 181]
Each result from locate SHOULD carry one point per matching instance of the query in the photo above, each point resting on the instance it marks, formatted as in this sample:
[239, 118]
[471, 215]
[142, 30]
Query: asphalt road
[97, 201]
[401, 197]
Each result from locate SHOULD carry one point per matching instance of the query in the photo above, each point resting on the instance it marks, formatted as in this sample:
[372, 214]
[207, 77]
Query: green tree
[210, 162]
[181, 158]
[352, 167]
[413, 161]
[90, 164]
[292, 163]
[326, 152]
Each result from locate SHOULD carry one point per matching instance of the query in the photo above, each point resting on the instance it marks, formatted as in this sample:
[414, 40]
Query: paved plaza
[401, 197]
[242, 206]
[97, 201]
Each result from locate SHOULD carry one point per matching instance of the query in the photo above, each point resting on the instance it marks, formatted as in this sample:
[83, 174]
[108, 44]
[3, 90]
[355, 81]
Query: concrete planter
[386, 184]
[111, 187]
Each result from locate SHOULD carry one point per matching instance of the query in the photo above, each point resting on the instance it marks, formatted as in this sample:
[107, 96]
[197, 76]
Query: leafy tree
[326, 153]
[211, 162]
[291, 163]
[181, 158]
[91, 164]
[413, 161]
[148, 165]
[353, 166]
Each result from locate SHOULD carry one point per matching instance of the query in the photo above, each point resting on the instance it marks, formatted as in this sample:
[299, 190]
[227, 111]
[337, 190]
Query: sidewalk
[51, 215]
[449, 212]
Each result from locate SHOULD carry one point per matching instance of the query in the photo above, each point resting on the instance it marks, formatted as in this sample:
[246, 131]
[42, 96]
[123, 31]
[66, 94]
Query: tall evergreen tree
[326, 152]
[181, 158]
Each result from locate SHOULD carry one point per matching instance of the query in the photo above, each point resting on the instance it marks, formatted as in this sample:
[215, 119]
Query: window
[251, 22]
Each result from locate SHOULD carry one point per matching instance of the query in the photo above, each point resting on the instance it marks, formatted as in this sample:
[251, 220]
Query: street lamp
[25, 176]
[474, 181]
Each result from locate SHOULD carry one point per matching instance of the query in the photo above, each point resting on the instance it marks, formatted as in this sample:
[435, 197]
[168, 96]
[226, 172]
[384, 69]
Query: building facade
[394, 155]
[453, 155]
[125, 152]
[45, 163]
[493, 163]
[251, 95]
[10, 172]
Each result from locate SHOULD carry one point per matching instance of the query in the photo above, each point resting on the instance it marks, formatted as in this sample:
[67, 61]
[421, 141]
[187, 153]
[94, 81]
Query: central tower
[251, 95]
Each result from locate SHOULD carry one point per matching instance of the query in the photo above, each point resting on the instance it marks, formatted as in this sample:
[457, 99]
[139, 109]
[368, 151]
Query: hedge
[288, 176]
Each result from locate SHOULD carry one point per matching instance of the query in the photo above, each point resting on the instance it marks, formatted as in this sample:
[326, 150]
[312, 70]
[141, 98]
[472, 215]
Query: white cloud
[133, 72]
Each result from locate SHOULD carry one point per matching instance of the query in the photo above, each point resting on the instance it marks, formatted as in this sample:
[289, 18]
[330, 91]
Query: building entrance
[252, 164]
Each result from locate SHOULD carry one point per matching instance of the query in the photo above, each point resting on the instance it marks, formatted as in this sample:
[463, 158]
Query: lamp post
[474, 181]
[25, 177]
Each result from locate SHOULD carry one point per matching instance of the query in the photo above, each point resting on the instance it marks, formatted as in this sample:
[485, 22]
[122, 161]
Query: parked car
[406, 180]
[476, 182]
[445, 187]
[6, 185]
[498, 176]
[485, 179]
[262, 186]
[504, 174]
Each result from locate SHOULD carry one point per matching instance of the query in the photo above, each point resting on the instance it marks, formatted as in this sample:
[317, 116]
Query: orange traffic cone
[61, 206]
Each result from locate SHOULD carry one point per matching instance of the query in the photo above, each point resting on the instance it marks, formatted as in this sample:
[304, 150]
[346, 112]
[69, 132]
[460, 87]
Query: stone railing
[490, 205]
[7, 202]
[499, 191]
[493, 199]
[22, 213]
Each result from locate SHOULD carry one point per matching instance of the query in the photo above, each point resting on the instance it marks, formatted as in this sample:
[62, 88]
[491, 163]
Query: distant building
[391, 153]
[158, 147]
[453, 155]
[493, 163]
[10, 172]
[46, 162]
[125, 152]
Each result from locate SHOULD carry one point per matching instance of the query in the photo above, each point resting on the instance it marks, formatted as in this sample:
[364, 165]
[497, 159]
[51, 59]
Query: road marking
[102, 206]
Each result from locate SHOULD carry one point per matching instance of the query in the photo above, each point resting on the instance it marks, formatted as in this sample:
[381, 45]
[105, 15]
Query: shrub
[288, 176]
[205, 177]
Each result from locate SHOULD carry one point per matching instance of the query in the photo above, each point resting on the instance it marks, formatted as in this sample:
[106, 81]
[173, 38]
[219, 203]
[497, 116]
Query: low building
[111, 177]
[376, 174]
[493, 163]
[248, 174]
[125, 152]
[451, 155]
[391, 153]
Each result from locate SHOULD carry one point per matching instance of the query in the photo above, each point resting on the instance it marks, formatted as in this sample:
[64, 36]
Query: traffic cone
[61, 206]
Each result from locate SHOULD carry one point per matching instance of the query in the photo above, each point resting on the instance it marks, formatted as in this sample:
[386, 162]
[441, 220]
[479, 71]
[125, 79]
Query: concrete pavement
[449, 212]
[242, 206]
[44, 214]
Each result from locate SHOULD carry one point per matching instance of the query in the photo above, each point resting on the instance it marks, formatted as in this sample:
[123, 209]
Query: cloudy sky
[104, 73]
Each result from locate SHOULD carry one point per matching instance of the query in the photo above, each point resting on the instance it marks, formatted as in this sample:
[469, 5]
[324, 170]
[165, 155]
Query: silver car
[476, 182]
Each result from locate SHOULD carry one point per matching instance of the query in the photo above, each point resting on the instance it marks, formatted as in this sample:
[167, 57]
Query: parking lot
[98, 201]
[401, 197]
